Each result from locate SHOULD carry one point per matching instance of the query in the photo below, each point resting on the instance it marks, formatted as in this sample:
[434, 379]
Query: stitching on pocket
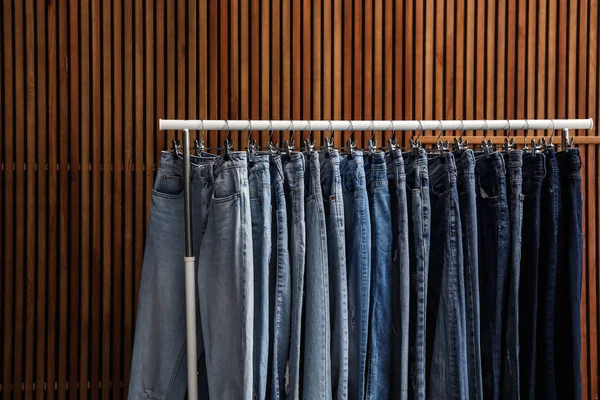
[226, 198]
[167, 196]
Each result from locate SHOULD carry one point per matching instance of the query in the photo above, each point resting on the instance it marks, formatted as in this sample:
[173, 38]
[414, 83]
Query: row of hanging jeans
[368, 276]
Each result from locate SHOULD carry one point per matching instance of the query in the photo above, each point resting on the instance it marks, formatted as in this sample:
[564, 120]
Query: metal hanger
[251, 147]
[442, 147]
[372, 143]
[486, 145]
[273, 149]
[392, 143]
[351, 142]
[309, 142]
[199, 144]
[459, 146]
[176, 148]
[329, 141]
[227, 144]
[526, 133]
[567, 142]
[509, 144]
[548, 144]
[289, 145]
[415, 145]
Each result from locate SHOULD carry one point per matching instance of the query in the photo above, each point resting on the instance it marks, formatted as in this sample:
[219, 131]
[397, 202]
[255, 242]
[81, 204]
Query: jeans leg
[260, 211]
[379, 359]
[317, 336]
[226, 282]
[331, 186]
[358, 261]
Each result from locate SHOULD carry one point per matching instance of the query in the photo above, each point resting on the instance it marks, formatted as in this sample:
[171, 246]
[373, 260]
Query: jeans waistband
[328, 160]
[414, 159]
[441, 168]
[571, 158]
[514, 159]
[277, 169]
[534, 165]
[175, 165]
[258, 163]
[492, 161]
[395, 161]
[296, 159]
[312, 160]
[376, 161]
[237, 159]
[465, 163]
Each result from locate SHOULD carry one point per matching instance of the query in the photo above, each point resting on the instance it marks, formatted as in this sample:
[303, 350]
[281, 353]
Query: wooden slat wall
[83, 84]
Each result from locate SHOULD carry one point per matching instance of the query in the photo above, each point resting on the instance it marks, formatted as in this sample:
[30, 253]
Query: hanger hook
[553, 129]
[509, 129]
[485, 129]
[441, 130]
[270, 132]
[462, 128]
[420, 129]
[373, 130]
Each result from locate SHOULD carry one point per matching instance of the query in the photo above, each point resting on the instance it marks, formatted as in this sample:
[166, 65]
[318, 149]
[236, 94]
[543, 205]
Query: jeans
[467, 199]
[333, 202]
[510, 352]
[226, 282]
[260, 211]
[400, 274]
[549, 204]
[417, 184]
[358, 262]
[447, 376]
[379, 350]
[317, 334]
[493, 236]
[280, 287]
[293, 170]
[159, 362]
[568, 288]
[533, 175]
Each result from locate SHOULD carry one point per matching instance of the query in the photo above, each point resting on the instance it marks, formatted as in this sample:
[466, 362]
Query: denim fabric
[510, 349]
[400, 274]
[533, 175]
[493, 236]
[317, 330]
[293, 170]
[358, 261]
[568, 289]
[226, 295]
[260, 210]
[159, 361]
[333, 201]
[379, 350]
[467, 199]
[549, 204]
[417, 184]
[280, 287]
[447, 376]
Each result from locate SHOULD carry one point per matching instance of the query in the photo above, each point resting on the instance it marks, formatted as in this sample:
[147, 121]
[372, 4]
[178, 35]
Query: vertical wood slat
[90, 79]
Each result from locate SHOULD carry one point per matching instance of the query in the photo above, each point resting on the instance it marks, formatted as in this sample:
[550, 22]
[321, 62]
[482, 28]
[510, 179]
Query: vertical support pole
[190, 275]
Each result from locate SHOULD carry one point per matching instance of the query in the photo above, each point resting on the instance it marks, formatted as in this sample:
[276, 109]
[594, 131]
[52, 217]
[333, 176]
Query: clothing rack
[332, 125]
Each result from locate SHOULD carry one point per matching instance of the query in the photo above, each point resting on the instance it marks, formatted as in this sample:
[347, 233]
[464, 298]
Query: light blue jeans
[317, 334]
[280, 287]
[293, 170]
[379, 358]
[333, 201]
[358, 260]
[226, 282]
[260, 211]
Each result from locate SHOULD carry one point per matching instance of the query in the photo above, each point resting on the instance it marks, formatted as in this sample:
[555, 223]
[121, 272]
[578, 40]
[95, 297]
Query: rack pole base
[190, 318]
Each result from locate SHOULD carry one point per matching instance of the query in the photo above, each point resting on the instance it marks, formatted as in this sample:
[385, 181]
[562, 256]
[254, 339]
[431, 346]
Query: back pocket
[168, 186]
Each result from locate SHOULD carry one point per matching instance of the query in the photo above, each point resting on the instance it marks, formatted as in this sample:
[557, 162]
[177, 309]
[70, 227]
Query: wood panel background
[83, 84]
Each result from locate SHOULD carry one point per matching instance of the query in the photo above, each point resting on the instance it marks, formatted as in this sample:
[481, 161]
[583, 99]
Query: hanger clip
[487, 147]
[227, 148]
[350, 145]
[442, 147]
[176, 148]
[329, 146]
[536, 148]
[289, 147]
[509, 145]
[199, 146]
[392, 144]
[460, 145]
[415, 145]
[372, 146]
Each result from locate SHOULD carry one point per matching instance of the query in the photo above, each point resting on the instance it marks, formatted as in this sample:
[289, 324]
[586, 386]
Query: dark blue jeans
[331, 185]
[447, 375]
[568, 288]
[533, 175]
[549, 204]
[400, 274]
[494, 244]
[358, 260]
[280, 287]
[467, 199]
[293, 171]
[417, 185]
[510, 349]
[379, 353]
